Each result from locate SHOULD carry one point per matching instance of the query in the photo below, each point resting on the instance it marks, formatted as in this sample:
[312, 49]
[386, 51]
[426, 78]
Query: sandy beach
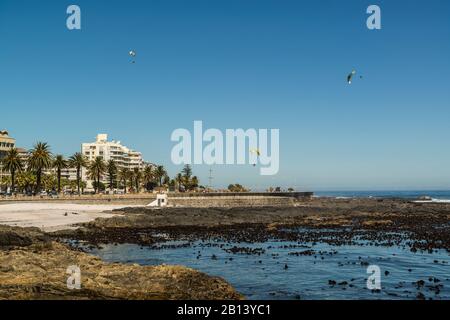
[52, 216]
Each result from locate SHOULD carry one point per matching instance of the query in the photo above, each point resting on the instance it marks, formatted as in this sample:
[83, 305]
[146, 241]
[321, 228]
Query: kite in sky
[255, 152]
[132, 55]
[350, 77]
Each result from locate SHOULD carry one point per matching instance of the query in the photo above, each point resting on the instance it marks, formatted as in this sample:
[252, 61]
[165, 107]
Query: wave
[433, 201]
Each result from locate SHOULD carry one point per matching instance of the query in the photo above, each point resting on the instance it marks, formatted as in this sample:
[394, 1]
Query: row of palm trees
[148, 177]
[41, 159]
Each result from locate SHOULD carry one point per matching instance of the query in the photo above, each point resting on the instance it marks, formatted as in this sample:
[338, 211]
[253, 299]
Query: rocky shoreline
[33, 266]
[388, 222]
[33, 263]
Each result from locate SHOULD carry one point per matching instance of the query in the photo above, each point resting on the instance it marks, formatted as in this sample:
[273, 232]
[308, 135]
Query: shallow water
[265, 276]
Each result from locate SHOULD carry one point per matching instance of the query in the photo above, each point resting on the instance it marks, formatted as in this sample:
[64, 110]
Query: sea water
[436, 195]
[273, 273]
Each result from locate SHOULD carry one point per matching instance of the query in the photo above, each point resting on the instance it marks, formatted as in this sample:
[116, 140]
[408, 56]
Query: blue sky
[239, 64]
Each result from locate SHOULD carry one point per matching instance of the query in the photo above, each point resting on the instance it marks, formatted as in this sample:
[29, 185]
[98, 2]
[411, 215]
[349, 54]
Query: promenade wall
[179, 199]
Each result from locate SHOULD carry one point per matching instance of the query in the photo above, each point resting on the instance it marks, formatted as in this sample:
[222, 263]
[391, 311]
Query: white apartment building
[123, 156]
[6, 143]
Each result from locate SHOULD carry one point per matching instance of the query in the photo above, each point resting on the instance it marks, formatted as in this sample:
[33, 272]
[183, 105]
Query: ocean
[273, 270]
[435, 195]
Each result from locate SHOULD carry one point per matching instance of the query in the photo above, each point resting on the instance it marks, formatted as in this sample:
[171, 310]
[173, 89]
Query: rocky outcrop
[422, 226]
[21, 237]
[32, 267]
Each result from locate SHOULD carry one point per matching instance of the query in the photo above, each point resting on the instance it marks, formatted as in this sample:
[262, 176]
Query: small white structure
[161, 201]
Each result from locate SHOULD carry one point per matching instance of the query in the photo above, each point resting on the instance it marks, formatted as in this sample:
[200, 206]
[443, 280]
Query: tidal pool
[292, 270]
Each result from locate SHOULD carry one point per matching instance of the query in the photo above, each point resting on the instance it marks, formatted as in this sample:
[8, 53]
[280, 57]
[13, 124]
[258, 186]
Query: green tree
[100, 186]
[65, 183]
[160, 172]
[137, 175]
[59, 163]
[166, 180]
[83, 185]
[49, 182]
[172, 185]
[96, 170]
[5, 182]
[73, 184]
[39, 160]
[237, 188]
[13, 164]
[26, 181]
[194, 182]
[78, 161]
[111, 169]
[187, 171]
[124, 174]
[179, 180]
[148, 176]
[186, 174]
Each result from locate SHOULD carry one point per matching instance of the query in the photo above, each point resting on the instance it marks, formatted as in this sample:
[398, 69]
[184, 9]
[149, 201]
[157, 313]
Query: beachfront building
[66, 173]
[123, 156]
[6, 143]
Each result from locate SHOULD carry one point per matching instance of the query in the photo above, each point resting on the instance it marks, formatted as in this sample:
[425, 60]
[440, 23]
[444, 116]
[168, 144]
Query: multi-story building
[123, 156]
[66, 173]
[6, 143]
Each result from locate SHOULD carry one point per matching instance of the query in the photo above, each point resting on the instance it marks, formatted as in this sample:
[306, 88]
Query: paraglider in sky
[350, 77]
[132, 55]
[255, 152]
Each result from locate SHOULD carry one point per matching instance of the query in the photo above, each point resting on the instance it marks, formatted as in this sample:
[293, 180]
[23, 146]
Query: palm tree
[166, 180]
[137, 173]
[59, 163]
[194, 182]
[96, 170]
[148, 176]
[131, 176]
[160, 172]
[83, 185]
[124, 173]
[39, 160]
[179, 180]
[78, 161]
[111, 168]
[186, 177]
[12, 163]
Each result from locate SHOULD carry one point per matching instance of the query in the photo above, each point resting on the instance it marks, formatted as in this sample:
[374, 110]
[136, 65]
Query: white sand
[52, 216]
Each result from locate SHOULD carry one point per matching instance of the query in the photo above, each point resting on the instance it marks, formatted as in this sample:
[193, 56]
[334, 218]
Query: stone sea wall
[181, 199]
[238, 199]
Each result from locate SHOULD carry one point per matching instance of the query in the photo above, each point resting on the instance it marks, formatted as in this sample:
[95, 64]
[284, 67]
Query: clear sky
[239, 64]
